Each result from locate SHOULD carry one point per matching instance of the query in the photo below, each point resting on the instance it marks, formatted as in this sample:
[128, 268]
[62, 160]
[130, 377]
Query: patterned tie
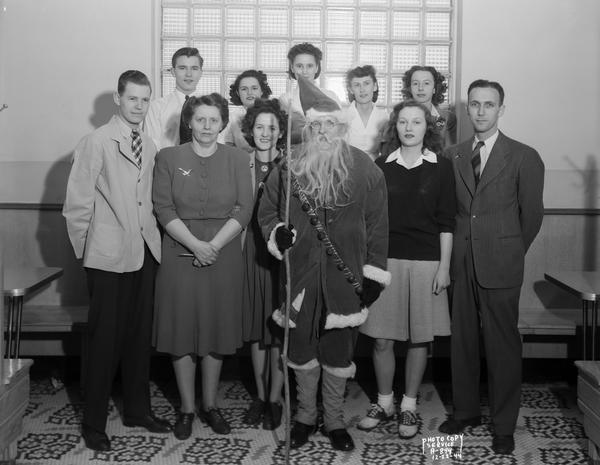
[476, 161]
[185, 132]
[136, 147]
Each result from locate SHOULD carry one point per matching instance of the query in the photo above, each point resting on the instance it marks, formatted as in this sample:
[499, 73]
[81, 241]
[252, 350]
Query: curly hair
[211, 100]
[439, 83]
[360, 72]
[260, 106]
[259, 76]
[431, 141]
[305, 48]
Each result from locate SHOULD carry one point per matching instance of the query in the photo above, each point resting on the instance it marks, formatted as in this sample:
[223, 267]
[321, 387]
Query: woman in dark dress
[264, 128]
[202, 196]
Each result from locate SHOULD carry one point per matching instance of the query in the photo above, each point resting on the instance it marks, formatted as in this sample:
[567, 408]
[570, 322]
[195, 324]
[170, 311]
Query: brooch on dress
[185, 172]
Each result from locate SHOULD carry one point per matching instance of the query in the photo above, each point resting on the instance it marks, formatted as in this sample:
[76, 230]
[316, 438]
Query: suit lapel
[462, 158]
[495, 163]
[123, 142]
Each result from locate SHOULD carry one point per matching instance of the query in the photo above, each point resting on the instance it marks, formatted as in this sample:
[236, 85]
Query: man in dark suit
[499, 185]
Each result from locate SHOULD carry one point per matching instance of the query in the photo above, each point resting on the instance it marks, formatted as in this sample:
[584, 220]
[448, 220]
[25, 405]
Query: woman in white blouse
[366, 120]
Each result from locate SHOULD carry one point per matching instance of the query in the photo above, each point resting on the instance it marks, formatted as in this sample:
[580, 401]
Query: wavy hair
[360, 72]
[305, 48]
[439, 83]
[431, 141]
[271, 107]
[259, 76]
[210, 100]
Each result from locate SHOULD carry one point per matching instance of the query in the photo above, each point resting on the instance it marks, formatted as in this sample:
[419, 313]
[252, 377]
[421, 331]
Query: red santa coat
[358, 230]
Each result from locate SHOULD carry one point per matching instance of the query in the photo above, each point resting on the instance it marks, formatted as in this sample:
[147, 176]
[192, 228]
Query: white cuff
[377, 274]
[340, 372]
[335, 320]
[272, 244]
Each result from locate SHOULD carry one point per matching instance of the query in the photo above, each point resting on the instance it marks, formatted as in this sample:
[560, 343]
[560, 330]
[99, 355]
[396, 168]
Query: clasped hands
[205, 254]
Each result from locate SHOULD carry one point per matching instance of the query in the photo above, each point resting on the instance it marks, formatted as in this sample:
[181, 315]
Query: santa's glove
[370, 292]
[284, 237]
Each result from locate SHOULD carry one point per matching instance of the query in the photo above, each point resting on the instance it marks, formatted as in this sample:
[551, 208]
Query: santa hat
[315, 103]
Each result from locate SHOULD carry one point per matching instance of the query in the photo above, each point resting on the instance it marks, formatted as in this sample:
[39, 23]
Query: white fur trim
[297, 303]
[335, 320]
[272, 244]
[279, 318]
[377, 274]
[314, 363]
[313, 114]
[340, 372]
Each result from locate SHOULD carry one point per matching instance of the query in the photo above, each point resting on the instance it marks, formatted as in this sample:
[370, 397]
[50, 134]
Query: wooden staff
[288, 290]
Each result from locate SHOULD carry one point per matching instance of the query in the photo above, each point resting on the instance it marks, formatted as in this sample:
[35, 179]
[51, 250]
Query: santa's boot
[307, 382]
[334, 386]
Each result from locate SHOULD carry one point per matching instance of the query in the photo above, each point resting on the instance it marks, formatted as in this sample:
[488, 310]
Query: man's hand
[284, 237]
[370, 292]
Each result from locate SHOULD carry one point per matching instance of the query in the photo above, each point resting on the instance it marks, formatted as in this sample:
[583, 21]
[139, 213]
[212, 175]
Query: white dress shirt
[486, 149]
[162, 120]
[396, 156]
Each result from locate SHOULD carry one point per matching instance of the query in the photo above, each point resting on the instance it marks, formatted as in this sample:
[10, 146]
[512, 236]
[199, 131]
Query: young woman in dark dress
[264, 128]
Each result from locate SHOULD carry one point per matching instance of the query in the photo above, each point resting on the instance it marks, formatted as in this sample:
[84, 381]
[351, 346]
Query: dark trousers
[494, 315]
[119, 331]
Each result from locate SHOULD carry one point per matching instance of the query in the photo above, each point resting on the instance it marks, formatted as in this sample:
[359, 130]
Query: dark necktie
[476, 161]
[136, 147]
[185, 132]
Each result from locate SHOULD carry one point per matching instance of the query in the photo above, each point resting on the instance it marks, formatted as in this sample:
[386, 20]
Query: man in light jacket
[108, 210]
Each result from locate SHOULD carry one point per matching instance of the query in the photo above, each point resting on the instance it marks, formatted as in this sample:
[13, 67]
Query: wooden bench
[550, 332]
[43, 328]
[546, 332]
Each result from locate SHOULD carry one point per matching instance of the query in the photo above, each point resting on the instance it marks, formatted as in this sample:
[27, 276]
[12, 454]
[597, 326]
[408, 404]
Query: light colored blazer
[500, 217]
[108, 206]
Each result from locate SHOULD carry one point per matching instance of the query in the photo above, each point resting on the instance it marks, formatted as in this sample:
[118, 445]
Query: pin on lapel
[185, 172]
[458, 155]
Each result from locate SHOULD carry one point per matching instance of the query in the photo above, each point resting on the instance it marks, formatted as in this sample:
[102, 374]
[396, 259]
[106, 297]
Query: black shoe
[341, 440]
[255, 412]
[300, 433]
[150, 423]
[272, 418]
[454, 426]
[94, 439]
[503, 444]
[215, 420]
[183, 426]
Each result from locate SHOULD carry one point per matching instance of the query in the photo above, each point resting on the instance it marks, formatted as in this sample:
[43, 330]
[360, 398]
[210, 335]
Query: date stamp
[443, 447]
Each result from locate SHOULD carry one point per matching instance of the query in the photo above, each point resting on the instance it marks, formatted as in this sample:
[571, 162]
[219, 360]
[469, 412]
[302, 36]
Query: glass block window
[235, 35]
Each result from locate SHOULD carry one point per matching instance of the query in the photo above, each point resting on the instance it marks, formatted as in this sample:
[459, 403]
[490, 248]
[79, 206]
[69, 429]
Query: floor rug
[549, 431]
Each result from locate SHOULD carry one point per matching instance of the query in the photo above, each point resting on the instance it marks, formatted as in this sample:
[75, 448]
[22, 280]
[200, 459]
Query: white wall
[59, 62]
[546, 55]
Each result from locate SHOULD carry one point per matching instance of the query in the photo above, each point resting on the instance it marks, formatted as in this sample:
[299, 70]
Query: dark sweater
[421, 205]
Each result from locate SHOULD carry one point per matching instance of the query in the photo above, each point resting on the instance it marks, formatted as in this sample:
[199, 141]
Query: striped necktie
[136, 147]
[185, 132]
[476, 161]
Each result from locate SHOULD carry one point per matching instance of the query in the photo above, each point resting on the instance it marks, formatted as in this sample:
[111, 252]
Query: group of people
[183, 248]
